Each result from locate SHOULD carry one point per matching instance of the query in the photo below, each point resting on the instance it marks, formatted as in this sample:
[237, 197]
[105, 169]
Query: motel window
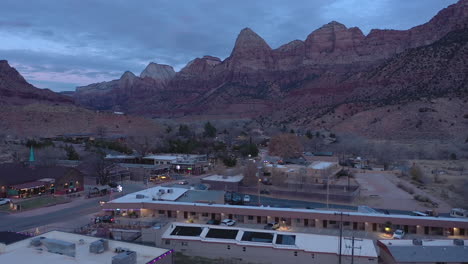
[193, 213]
[161, 212]
[228, 246]
[332, 222]
[184, 243]
[346, 223]
[205, 214]
[167, 242]
[295, 253]
[298, 220]
[313, 255]
[243, 249]
[251, 217]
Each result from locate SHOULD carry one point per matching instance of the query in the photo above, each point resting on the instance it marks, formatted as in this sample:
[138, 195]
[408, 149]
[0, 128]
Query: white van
[458, 212]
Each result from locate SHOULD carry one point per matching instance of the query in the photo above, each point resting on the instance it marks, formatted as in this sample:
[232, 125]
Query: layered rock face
[160, 72]
[15, 89]
[332, 65]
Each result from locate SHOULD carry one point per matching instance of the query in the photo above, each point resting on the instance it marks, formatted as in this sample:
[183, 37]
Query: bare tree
[101, 131]
[250, 174]
[49, 156]
[97, 166]
[285, 145]
[278, 177]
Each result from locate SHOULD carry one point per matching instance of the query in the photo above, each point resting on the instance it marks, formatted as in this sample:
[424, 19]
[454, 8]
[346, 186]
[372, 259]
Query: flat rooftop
[321, 165]
[221, 178]
[202, 196]
[22, 252]
[431, 251]
[159, 193]
[274, 239]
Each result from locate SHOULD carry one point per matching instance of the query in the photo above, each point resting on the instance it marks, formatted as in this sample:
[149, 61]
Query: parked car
[104, 219]
[113, 184]
[183, 182]
[213, 222]
[271, 226]
[4, 201]
[246, 198]
[264, 192]
[228, 222]
[398, 234]
[458, 212]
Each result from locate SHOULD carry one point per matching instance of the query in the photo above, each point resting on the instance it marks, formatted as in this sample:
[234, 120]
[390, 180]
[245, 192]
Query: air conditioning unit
[458, 242]
[126, 257]
[417, 242]
[162, 191]
[140, 196]
[99, 246]
[170, 190]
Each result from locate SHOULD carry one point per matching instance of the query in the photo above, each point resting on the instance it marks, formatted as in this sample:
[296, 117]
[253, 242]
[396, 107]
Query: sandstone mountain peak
[128, 75]
[157, 71]
[250, 51]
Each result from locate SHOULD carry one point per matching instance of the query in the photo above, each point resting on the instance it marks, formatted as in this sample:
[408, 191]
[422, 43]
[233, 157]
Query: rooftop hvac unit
[60, 247]
[417, 242]
[140, 196]
[37, 241]
[99, 246]
[170, 190]
[162, 191]
[458, 242]
[126, 257]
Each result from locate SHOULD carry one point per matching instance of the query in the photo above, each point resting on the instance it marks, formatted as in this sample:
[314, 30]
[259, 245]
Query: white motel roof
[221, 178]
[22, 252]
[306, 242]
[146, 196]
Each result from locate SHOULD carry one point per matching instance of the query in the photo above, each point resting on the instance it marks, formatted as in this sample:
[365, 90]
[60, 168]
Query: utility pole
[353, 247]
[341, 235]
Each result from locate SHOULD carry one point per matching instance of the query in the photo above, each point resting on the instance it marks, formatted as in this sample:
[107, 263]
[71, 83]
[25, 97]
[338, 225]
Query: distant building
[181, 163]
[425, 251]
[66, 248]
[17, 180]
[220, 182]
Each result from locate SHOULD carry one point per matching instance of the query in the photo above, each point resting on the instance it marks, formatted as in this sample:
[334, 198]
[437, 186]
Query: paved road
[23, 221]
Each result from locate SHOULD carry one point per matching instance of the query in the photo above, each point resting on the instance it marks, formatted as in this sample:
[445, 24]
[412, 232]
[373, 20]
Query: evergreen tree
[210, 130]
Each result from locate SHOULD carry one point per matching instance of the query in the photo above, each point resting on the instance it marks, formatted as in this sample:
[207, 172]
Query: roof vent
[140, 196]
[37, 241]
[170, 190]
[458, 242]
[99, 246]
[126, 257]
[417, 242]
[162, 191]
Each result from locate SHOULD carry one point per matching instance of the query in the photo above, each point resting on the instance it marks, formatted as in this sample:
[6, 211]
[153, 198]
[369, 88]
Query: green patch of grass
[42, 201]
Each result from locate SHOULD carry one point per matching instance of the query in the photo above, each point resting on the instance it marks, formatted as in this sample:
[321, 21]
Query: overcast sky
[61, 44]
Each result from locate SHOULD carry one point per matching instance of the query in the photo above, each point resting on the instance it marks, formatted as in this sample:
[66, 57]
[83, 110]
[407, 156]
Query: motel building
[183, 205]
[244, 245]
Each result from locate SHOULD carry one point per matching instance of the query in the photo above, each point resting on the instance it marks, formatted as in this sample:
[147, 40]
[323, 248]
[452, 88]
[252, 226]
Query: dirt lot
[380, 190]
[445, 179]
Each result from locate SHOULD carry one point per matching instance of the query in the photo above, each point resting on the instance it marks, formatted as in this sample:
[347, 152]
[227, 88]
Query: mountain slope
[14, 89]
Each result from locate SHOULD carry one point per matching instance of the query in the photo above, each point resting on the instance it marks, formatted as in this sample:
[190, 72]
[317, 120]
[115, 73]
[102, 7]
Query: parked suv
[271, 226]
[228, 222]
[398, 234]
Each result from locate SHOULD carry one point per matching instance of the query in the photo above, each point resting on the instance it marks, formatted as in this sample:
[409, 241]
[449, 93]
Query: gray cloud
[91, 40]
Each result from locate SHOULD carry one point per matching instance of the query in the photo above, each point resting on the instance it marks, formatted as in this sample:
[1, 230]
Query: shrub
[405, 188]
